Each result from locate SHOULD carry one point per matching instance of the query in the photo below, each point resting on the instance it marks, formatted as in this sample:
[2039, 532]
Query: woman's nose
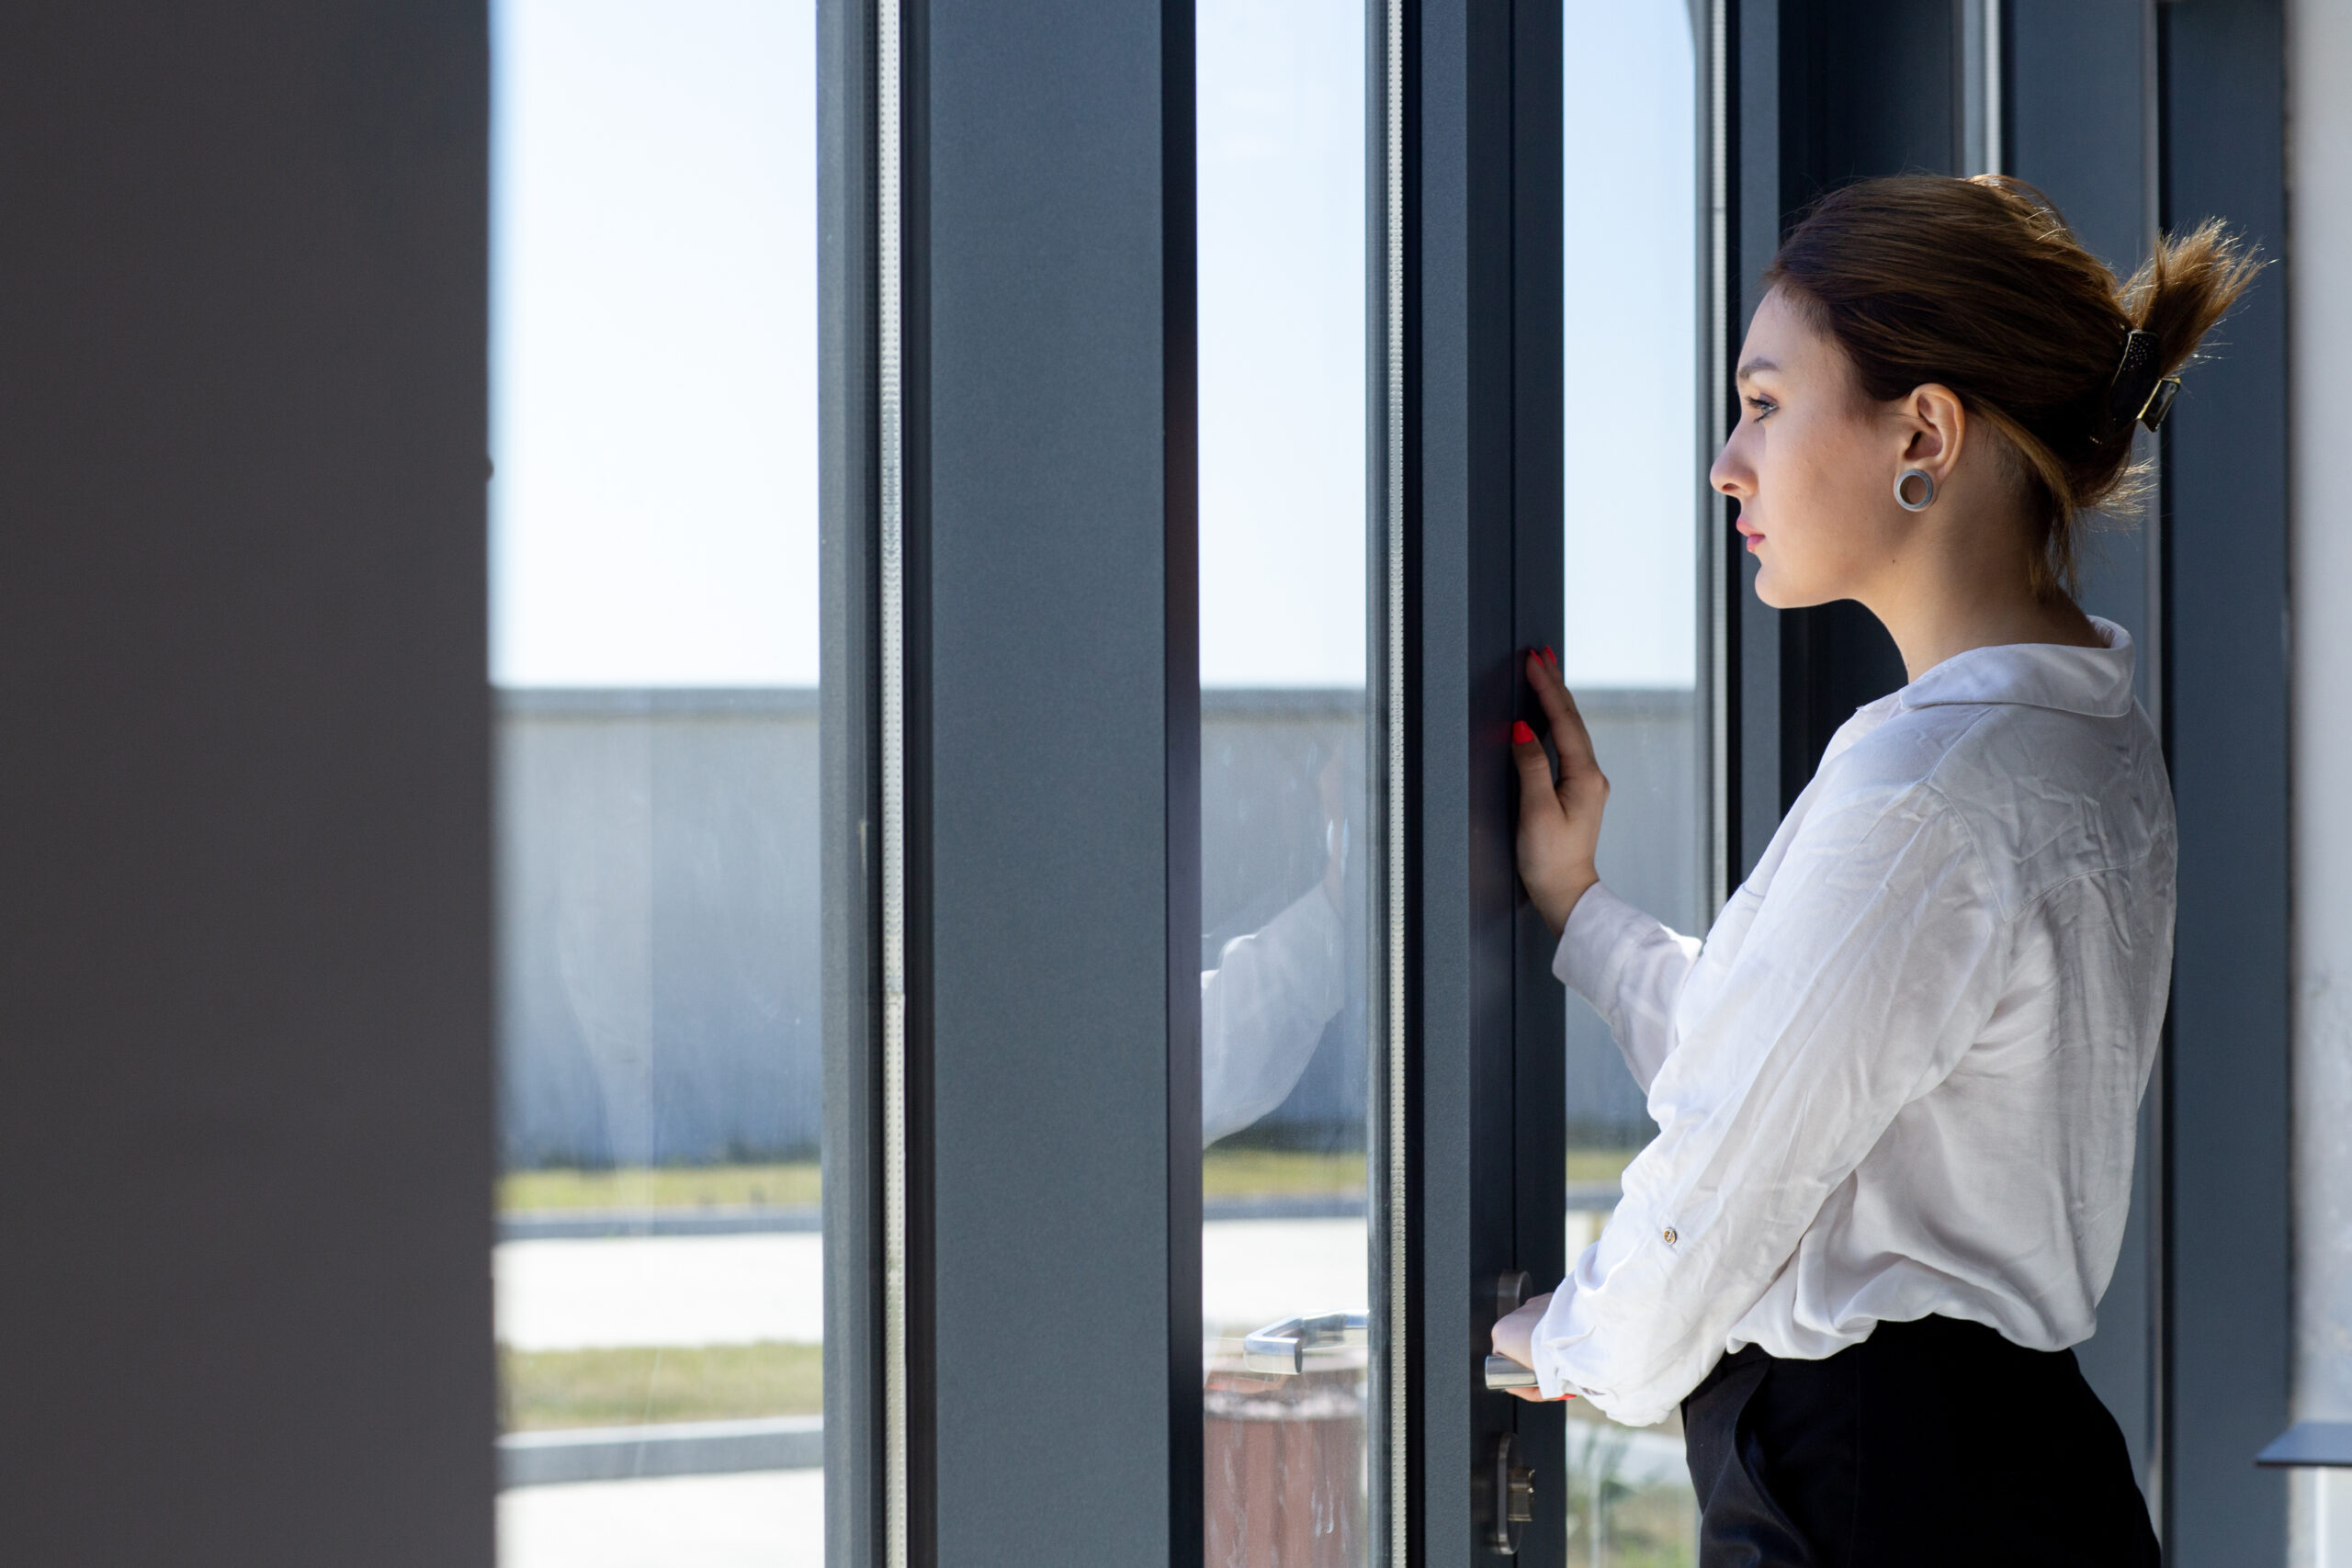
[1730, 476]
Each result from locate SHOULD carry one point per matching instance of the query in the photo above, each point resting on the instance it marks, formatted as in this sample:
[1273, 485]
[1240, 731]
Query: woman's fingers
[1569, 736]
[1535, 767]
[1557, 838]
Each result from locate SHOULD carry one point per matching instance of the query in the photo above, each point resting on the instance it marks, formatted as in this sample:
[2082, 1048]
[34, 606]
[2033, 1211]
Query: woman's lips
[1752, 537]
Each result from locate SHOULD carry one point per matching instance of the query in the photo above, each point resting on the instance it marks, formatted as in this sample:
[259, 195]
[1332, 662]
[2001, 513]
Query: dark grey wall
[2081, 108]
[245, 903]
[2226, 1329]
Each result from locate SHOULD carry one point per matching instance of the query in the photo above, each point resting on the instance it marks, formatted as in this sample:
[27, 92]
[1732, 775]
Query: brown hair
[1979, 285]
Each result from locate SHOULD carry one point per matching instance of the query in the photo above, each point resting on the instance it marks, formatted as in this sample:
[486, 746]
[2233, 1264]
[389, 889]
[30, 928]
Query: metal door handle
[1510, 1294]
[1294, 1343]
[1503, 1373]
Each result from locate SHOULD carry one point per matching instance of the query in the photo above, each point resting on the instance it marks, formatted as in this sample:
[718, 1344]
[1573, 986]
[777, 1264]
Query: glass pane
[1630, 647]
[654, 654]
[1288, 1045]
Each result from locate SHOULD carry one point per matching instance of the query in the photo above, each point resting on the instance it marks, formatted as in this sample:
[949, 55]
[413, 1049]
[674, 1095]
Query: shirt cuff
[1548, 1381]
[1598, 929]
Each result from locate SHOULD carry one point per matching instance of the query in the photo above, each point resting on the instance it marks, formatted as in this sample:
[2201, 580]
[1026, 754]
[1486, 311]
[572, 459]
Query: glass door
[654, 658]
[1632, 634]
[1294, 1055]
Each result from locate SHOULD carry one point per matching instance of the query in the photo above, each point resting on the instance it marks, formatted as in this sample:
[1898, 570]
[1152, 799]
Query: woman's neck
[1955, 596]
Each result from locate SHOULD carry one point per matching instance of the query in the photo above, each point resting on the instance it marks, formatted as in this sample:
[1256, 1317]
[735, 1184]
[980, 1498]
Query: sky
[1634, 466]
[654, 349]
[654, 361]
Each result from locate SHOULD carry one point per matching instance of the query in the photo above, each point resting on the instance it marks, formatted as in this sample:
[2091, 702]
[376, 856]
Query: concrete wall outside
[659, 927]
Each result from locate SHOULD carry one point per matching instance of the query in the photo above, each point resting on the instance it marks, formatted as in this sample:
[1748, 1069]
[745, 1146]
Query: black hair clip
[2139, 393]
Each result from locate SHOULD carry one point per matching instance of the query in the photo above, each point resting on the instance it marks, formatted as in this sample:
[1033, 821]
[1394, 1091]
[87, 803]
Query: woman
[1897, 1084]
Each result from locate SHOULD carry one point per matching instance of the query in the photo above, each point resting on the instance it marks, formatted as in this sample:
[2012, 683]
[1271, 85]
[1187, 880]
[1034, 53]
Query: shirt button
[1670, 1237]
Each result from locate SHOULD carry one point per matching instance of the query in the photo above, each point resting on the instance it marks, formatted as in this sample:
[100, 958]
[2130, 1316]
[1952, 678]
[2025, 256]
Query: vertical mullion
[1181, 600]
[1717, 583]
[1397, 1327]
[891, 618]
[1052, 678]
[1536, 230]
[849, 474]
[1462, 685]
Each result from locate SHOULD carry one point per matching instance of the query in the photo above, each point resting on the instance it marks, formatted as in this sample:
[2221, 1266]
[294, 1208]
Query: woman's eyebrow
[1751, 367]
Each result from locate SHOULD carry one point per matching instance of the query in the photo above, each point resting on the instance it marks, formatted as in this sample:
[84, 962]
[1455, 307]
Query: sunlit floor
[769, 1519]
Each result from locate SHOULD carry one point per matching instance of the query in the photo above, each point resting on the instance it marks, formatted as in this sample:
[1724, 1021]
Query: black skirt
[1928, 1443]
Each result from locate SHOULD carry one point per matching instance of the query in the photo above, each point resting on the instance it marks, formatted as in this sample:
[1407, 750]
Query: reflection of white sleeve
[1263, 1008]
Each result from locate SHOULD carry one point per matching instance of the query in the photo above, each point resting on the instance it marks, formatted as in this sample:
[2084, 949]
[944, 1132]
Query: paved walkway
[767, 1520]
[712, 1290]
[671, 1289]
[733, 1290]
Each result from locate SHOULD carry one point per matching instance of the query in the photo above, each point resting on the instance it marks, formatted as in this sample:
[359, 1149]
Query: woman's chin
[1777, 593]
[1770, 590]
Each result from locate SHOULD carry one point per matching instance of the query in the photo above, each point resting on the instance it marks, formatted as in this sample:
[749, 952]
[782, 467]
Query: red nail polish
[1520, 734]
[1550, 657]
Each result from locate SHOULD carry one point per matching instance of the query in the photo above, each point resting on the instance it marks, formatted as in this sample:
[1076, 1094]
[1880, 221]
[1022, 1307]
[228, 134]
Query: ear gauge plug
[1520, 734]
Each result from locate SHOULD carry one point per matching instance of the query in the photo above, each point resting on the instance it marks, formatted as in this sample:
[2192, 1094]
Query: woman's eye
[1761, 407]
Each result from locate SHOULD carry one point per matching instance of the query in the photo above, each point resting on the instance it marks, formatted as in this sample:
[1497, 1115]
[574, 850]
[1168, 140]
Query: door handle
[1296, 1344]
[1501, 1371]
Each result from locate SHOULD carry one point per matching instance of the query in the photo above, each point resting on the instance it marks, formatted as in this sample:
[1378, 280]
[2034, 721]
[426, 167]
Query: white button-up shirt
[1902, 1076]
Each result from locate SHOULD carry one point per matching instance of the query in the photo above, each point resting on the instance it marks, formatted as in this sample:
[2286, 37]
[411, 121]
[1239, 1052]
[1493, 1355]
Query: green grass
[1255, 1173]
[1598, 1165]
[658, 1187]
[1639, 1527]
[539, 1390]
[1224, 1173]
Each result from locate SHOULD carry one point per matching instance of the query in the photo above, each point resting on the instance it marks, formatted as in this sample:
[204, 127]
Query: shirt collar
[2036, 675]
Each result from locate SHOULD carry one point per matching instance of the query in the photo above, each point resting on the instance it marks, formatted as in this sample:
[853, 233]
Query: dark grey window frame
[1051, 786]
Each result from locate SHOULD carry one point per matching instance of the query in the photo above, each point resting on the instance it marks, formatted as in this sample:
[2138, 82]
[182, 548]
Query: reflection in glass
[1630, 647]
[1287, 848]
[655, 653]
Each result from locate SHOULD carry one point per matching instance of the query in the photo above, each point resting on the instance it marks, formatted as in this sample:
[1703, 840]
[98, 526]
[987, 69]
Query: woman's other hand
[1515, 1337]
[1559, 820]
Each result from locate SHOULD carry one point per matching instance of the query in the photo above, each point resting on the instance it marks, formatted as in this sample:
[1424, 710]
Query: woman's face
[1811, 464]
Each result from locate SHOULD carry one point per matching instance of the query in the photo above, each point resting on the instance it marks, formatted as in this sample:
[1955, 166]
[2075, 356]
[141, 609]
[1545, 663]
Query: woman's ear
[1937, 425]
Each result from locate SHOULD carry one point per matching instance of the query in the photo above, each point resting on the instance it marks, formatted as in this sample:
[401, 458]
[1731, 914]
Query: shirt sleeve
[1873, 961]
[1630, 967]
[1263, 1010]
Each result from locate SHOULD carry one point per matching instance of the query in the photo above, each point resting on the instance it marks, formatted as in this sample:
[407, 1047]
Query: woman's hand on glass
[1559, 819]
